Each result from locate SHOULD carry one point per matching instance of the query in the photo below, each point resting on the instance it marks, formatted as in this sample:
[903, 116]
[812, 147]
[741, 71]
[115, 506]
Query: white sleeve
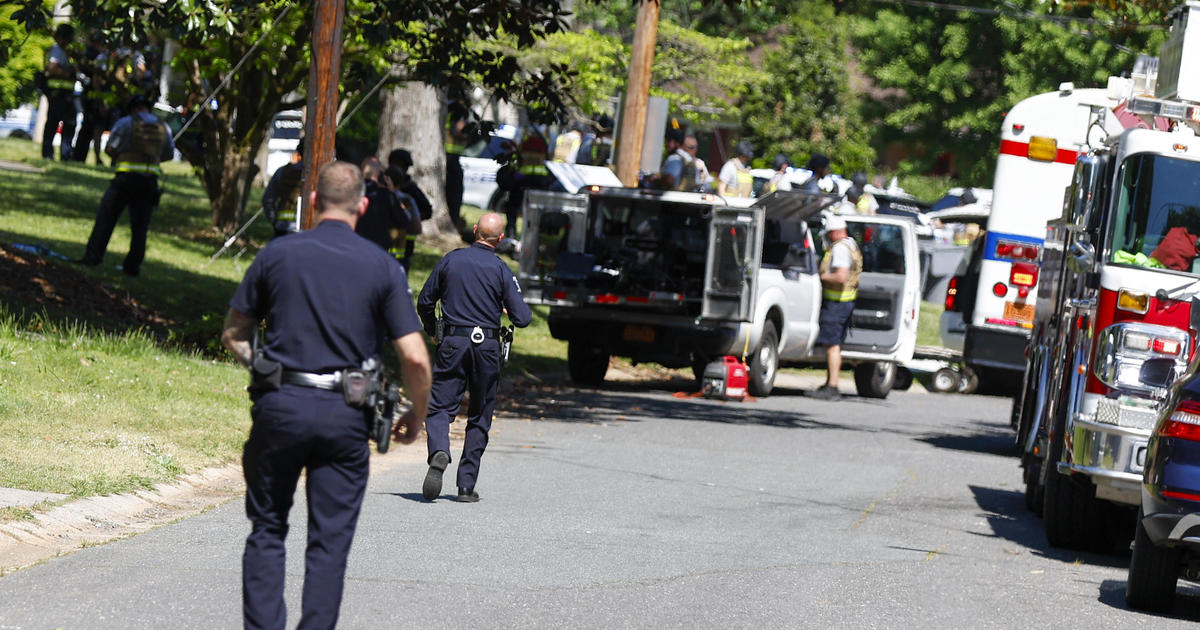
[840, 256]
[728, 174]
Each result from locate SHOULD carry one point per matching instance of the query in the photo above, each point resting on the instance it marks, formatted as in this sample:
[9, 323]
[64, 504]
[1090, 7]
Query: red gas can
[725, 378]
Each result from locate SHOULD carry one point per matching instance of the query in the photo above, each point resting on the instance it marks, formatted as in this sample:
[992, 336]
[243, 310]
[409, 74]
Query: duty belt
[467, 331]
[330, 381]
[135, 167]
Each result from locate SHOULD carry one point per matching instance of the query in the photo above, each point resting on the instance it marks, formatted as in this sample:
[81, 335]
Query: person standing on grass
[137, 143]
[474, 287]
[330, 298]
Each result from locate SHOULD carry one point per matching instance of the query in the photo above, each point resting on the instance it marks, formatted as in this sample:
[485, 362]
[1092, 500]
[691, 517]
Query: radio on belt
[726, 379]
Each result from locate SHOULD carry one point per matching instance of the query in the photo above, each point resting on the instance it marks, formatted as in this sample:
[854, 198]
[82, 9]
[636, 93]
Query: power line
[1018, 12]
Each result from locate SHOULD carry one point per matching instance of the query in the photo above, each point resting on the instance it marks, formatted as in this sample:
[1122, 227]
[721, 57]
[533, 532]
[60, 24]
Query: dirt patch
[31, 283]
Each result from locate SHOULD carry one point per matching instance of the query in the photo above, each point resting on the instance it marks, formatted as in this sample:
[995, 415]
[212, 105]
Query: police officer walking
[137, 143]
[389, 218]
[281, 199]
[473, 286]
[329, 299]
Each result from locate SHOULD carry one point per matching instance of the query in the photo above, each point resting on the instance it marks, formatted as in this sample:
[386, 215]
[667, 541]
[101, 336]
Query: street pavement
[628, 507]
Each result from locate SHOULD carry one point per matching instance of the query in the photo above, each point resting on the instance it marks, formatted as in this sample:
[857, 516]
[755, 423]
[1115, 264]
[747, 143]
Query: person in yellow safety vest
[779, 181]
[566, 146]
[864, 202]
[59, 88]
[840, 269]
[137, 143]
[735, 179]
[281, 199]
[455, 138]
[596, 148]
[529, 173]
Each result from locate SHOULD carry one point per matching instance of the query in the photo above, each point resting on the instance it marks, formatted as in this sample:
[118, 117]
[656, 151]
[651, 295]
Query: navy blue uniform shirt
[472, 283]
[329, 296]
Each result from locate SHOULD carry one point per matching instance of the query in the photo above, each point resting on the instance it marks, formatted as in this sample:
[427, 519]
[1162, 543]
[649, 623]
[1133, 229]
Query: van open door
[731, 267]
[553, 233]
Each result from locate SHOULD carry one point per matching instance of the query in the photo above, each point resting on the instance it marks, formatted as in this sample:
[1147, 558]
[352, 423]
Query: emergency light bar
[1173, 110]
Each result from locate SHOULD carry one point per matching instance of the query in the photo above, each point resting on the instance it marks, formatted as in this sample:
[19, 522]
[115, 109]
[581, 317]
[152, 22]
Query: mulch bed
[31, 283]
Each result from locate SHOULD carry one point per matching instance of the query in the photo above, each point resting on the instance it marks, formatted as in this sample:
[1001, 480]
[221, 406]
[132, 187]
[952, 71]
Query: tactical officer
[60, 94]
[473, 286]
[281, 199]
[529, 173]
[389, 218]
[329, 299]
[735, 179]
[137, 143]
[455, 142]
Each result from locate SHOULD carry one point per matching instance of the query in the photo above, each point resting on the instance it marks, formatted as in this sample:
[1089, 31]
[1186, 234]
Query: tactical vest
[849, 292]
[61, 86]
[687, 174]
[565, 145]
[145, 147]
[533, 164]
[601, 151]
[745, 181]
[290, 180]
[449, 140]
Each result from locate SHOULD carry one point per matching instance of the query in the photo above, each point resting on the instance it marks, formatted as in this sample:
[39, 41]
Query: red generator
[725, 379]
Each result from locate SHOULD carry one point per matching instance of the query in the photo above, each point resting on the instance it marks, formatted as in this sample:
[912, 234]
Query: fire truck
[1118, 300]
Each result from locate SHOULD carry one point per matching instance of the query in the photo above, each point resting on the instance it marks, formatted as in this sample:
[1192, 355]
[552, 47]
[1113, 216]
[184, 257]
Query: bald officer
[474, 287]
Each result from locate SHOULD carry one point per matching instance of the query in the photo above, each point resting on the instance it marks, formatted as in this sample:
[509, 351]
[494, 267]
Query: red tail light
[1183, 423]
[1023, 275]
[951, 293]
[1016, 251]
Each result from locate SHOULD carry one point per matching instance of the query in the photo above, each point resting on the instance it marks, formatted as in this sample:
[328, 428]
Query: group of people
[109, 76]
[330, 300]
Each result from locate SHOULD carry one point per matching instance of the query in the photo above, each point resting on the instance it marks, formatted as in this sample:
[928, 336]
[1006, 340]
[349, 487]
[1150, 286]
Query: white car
[479, 169]
[286, 129]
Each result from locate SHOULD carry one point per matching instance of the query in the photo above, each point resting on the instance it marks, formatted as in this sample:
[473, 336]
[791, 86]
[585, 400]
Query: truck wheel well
[775, 316]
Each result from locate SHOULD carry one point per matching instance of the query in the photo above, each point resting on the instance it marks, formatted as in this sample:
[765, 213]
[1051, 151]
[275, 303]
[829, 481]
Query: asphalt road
[628, 508]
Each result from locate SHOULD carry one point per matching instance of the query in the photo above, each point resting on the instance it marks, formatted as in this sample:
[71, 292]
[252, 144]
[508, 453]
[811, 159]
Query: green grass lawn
[91, 406]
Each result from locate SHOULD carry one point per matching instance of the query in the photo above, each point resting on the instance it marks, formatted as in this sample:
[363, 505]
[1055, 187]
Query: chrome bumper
[1113, 452]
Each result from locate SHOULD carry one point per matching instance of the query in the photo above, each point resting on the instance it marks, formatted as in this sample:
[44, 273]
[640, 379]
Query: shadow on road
[1006, 514]
[1187, 600]
[986, 438]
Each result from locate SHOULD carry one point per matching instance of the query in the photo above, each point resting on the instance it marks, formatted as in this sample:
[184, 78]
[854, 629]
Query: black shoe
[826, 392]
[467, 495]
[433, 479]
[86, 262]
[133, 273]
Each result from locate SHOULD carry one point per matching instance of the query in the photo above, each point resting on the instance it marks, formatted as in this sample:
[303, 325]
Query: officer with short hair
[390, 218]
[281, 199]
[474, 286]
[137, 143]
[329, 298]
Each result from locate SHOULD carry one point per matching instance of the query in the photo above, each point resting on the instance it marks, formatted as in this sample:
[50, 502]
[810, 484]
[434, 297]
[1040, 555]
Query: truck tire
[1072, 516]
[1035, 492]
[968, 381]
[944, 380]
[586, 363]
[904, 379]
[1153, 573]
[764, 363]
[875, 380]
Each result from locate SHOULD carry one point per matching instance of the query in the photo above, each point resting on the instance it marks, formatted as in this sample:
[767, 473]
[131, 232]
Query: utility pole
[633, 119]
[320, 124]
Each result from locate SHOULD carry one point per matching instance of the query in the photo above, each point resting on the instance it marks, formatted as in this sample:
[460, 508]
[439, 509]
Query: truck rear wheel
[764, 364]
[1153, 573]
[875, 380]
[586, 363]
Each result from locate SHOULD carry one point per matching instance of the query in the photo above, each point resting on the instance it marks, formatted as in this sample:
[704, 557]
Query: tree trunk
[411, 119]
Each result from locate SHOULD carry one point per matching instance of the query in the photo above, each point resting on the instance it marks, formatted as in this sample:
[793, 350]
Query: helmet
[781, 161]
[139, 100]
[859, 179]
[834, 222]
[745, 148]
[817, 160]
[400, 158]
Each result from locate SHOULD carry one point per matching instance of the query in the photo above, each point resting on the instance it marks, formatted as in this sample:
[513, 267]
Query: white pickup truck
[681, 279]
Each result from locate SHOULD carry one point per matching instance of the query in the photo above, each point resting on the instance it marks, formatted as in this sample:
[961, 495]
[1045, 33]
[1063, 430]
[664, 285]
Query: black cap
[401, 158]
[817, 160]
[139, 100]
[604, 123]
[745, 148]
[64, 31]
[676, 135]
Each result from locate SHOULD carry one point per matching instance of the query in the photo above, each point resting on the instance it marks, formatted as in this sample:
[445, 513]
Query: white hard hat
[834, 222]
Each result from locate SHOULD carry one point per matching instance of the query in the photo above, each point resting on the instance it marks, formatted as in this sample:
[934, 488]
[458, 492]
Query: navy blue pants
[454, 187]
[60, 108]
[298, 428]
[464, 366]
[138, 192]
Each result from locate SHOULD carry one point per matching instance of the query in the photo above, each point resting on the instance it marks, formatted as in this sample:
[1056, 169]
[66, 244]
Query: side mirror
[1084, 186]
[1082, 256]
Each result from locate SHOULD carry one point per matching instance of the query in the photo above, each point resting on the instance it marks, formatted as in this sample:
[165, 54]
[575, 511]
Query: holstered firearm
[386, 400]
[506, 342]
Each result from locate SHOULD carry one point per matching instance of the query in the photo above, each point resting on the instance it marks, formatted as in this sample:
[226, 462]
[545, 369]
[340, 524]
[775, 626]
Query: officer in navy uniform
[137, 143]
[59, 87]
[473, 285]
[329, 298]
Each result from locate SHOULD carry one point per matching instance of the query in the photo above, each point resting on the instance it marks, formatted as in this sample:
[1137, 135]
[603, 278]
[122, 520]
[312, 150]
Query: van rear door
[888, 304]
[731, 267]
[553, 232]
